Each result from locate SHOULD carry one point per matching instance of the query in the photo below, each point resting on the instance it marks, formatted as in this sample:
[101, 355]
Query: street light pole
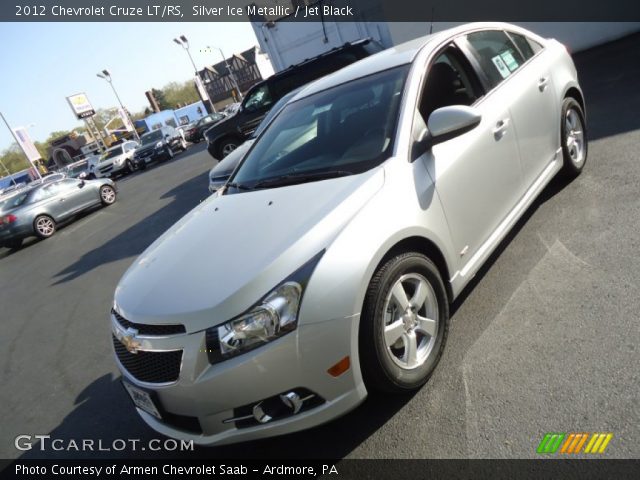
[184, 43]
[231, 74]
[105, 75]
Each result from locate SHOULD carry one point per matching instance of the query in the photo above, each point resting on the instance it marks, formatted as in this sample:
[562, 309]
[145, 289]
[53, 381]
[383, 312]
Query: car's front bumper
[214, 394]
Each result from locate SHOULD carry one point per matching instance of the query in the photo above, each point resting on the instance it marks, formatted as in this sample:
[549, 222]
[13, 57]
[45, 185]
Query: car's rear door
[536, 112]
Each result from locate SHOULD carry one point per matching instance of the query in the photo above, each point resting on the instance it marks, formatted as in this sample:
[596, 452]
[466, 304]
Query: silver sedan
[37, 210]
[326, 267]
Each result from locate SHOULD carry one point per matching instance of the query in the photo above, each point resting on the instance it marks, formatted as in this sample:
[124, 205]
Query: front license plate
[142, 399]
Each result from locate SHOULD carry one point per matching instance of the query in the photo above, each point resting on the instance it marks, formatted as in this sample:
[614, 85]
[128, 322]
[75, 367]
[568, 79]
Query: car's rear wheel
[44, 226]
[227, 146]
[404, 324]
[574, 137]
[107, 195]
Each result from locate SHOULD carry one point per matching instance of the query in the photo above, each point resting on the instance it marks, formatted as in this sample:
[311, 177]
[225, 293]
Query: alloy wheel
[410, 321]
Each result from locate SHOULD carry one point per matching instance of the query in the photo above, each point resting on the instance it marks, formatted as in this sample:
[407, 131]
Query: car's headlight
[159, 145]
[272, 317]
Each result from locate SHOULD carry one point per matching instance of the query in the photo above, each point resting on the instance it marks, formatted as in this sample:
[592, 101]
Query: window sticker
[502, 68]
[511, 62]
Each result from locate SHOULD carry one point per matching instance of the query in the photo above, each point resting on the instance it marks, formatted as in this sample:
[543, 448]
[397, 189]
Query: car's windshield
[345, 129]
[151, 137]
[273, 112]
[112, 152]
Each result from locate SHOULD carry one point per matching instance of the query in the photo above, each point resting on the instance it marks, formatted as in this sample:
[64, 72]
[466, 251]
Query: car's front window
[258, 99]
[111, 153]
[151, 137]
[343, 130]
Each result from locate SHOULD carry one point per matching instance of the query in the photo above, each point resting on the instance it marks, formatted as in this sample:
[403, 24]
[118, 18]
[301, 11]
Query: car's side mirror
[449, 122]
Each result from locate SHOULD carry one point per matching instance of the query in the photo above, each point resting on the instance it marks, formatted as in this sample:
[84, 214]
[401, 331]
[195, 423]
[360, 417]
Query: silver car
[37, 211]
[326, 266]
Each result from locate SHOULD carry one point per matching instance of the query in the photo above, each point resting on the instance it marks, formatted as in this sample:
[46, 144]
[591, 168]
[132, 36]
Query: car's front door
[477, 175]
[76, 195]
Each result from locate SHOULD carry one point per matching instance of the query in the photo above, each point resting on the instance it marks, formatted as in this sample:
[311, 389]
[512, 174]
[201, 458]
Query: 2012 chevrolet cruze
[326, 265]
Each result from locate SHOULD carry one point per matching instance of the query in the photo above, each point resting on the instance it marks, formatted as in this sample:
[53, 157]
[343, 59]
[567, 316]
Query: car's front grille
[150, 367]
[149, 330]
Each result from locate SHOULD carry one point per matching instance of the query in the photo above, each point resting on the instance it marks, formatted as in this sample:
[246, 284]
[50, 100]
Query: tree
[13, 160]
[160, 98]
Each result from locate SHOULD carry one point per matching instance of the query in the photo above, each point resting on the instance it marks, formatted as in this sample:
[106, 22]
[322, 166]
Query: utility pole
[105, 75]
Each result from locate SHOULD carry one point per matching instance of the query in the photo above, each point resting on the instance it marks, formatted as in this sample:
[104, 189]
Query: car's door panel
[478, 176]
[535, 115]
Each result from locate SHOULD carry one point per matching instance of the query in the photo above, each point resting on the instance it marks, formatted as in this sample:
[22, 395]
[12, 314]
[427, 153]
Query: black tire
[44, 226]
[183, 145]
[142, 165]
[573, 162]
[380, 371]
[107, 195]
[226, 146]
[130, 167]
[169, 152]
[14, 244]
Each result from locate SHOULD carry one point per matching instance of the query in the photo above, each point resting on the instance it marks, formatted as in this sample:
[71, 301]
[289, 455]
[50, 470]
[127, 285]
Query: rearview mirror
[449, 122]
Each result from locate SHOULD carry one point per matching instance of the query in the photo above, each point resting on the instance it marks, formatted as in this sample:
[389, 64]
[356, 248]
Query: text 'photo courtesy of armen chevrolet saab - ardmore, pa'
[308, 235]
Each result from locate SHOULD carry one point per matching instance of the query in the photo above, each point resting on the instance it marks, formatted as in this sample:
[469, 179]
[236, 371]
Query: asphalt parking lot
[546, 338]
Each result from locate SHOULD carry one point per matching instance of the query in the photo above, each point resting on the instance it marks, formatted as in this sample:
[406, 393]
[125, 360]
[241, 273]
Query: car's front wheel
[404, 324]
[107, 195]
[183, 144]
[574, 137]
[44, 226]
[227, 146]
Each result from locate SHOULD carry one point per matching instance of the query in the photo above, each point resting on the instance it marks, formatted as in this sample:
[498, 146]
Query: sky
[42, 63]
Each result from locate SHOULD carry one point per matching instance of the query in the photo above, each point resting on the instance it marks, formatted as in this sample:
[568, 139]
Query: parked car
[159, 144]
[76, 169]
[219, 174]
[194, 134]
[115, 161]
[227, 135]
[327, 266]
[38, 210]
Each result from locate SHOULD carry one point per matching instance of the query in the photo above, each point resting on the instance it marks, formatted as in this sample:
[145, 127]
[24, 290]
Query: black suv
[226, 135]
[158, 144]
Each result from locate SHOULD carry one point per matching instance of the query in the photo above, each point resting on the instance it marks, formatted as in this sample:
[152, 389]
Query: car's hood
[231, 250]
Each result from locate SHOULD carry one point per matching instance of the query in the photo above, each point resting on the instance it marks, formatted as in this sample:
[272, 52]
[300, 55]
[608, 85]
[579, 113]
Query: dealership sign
[80, 105]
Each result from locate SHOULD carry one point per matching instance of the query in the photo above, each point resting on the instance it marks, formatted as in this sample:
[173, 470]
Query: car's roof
[395, 56]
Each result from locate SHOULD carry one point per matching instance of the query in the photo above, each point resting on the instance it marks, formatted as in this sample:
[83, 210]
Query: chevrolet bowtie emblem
[129, 340]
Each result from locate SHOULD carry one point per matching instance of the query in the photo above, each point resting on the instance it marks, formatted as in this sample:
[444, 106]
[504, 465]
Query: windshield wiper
[294, 178]
[239, 186]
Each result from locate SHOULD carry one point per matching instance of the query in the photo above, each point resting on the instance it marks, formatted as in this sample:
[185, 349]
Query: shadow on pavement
[135, 239]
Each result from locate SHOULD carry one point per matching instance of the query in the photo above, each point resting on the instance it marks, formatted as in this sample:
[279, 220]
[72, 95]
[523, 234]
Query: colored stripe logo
[572, 443]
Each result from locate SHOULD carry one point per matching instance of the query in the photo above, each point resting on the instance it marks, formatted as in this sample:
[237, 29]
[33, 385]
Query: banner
[26, 144]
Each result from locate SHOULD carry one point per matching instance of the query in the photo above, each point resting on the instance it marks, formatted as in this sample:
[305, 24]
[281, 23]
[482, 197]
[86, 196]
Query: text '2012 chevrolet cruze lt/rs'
[326, 265]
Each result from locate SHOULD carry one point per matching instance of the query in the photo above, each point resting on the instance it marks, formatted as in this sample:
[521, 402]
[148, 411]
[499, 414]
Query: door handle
[501, 128]
[542, 83]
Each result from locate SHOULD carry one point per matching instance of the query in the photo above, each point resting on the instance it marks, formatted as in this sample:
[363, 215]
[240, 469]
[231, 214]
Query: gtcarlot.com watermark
[46, 443]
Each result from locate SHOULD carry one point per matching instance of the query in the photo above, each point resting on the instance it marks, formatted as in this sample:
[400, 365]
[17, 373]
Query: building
[248, 68]
[290, 42]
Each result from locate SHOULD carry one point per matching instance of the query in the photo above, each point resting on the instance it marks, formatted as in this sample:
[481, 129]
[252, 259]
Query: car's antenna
[431, 24]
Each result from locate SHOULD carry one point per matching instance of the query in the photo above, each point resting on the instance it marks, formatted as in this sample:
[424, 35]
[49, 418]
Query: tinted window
[258, 98]
[523, 45]
[347, 128]
[450, 81]
[497, 56]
